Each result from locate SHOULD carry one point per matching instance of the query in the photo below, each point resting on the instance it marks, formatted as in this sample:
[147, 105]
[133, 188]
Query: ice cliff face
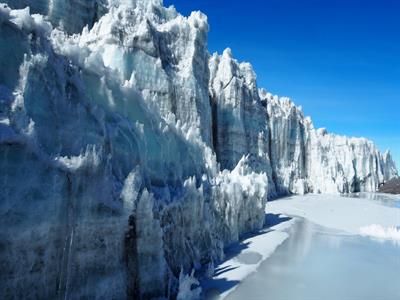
[72, 15]
[281, 142]
[105, 150]
[305, 159]
[239, 120]
[129, 156]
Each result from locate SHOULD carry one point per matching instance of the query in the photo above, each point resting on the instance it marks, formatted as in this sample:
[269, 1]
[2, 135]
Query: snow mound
[380, 232]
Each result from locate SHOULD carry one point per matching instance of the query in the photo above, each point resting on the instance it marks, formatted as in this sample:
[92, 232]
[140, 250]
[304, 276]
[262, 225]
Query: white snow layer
[128, 153]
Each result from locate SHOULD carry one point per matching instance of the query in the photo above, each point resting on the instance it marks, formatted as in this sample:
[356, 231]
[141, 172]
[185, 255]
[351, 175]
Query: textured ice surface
[129, 156]
[71, 15]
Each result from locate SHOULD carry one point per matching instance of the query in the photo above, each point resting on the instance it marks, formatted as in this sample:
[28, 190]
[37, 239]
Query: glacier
[130, 156]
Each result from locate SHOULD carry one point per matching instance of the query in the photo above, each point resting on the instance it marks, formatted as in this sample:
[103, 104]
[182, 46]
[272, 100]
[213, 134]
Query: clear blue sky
[339, 59]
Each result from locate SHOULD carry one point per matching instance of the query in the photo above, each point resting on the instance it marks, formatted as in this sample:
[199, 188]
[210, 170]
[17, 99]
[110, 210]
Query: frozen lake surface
[320, 263]
[317, 247]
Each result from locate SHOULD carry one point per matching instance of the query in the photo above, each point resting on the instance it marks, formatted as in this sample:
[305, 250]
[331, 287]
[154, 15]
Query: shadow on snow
[213, 287]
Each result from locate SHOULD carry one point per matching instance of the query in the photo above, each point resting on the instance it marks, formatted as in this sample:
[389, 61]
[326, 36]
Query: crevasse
[130, 156]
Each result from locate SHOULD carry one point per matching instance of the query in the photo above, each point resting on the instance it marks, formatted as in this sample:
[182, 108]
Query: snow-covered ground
[366, 216]
[352, 215]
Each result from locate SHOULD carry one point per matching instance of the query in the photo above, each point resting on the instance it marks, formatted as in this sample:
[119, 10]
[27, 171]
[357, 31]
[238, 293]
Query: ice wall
[107, 170]
[239, 120]
[289, 132]
[129, 156]
[305, 159]
[282, 142]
